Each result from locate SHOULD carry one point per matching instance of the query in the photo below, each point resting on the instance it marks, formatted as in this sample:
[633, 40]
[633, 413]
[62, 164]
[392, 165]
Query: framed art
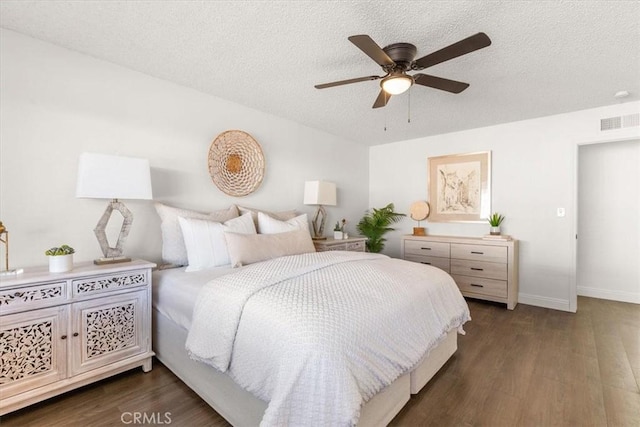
[460, 187]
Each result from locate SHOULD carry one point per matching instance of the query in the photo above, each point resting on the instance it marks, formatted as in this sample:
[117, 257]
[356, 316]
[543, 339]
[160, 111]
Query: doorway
[608, 221]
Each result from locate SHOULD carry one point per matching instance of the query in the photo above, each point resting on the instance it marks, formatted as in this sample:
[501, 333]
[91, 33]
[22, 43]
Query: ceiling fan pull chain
[409, 113]
[385, 113]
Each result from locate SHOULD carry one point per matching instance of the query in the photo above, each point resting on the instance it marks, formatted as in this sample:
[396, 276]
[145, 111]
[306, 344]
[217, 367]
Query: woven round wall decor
[236, 163]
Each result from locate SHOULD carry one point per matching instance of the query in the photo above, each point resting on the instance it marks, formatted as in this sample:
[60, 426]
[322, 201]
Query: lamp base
[113, 260]
[13, 272]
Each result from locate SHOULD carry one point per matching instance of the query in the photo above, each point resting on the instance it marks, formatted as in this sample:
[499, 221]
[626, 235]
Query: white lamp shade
[102, 176]
[319, 193]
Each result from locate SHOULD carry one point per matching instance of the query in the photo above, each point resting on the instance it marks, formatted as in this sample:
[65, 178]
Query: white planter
[60, 263]
[495, 231]
[337, 235]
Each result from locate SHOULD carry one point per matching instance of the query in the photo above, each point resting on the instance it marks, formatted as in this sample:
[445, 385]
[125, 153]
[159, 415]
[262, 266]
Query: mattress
[175, 291]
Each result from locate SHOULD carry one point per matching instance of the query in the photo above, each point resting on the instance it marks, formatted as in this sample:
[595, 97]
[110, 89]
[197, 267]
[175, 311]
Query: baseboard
[546, 302]
[621, 296]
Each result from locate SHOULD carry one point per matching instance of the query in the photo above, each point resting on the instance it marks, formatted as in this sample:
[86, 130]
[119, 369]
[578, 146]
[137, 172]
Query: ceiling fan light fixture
[395, 84]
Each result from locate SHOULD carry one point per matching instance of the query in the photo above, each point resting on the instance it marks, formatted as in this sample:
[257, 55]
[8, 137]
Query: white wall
[533, 174]
[56, 104]
[609, 221]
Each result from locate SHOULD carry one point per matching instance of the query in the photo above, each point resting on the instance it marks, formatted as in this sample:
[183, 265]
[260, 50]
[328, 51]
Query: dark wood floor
[528, 367]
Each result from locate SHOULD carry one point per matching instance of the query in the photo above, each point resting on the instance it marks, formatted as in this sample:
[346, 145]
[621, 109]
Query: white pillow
[173, 247]
[283, 216]
[246, 249]
[269, 225]
[205, 241]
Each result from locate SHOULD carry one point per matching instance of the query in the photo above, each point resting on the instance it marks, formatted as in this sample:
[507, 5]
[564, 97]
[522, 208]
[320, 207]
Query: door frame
[619, 137]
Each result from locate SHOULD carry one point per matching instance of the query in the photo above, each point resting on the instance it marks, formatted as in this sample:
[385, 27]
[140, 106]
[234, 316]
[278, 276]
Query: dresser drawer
[441, 263]
[490, 270]
[479, 252]
[29, 297]
[109, 282]
[420, 247]
[356, 246]
[481, 286]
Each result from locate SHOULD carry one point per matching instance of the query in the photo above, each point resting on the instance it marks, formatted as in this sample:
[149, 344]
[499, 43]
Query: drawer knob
[477, 286]
[477, 253]
[75, 334]
[18, 294]
[64, 337]
[426, 249]
[477, 269]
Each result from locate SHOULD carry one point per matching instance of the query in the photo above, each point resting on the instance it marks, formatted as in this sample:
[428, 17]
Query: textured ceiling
[547, 57]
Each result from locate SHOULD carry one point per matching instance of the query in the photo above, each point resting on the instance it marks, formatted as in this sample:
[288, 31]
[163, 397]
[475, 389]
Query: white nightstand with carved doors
[60, 331]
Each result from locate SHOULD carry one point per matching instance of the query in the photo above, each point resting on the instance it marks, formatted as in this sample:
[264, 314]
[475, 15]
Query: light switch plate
[561, 212]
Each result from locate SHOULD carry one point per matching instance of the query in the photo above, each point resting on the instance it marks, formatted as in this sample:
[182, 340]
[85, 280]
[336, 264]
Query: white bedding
[317, 335]
[175, 291]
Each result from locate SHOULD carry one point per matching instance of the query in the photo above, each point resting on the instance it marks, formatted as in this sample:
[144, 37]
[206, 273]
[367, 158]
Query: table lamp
[319, 193]
[102, 176]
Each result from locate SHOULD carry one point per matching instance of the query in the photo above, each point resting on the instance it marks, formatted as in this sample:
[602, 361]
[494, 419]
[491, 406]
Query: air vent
[611, 123]
[629, 121]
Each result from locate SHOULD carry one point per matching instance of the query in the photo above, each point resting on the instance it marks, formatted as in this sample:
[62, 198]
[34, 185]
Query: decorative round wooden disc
[236, 163]
[419, 211]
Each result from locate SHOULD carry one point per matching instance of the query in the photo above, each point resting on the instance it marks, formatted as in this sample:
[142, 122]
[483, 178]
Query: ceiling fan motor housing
[402, 54]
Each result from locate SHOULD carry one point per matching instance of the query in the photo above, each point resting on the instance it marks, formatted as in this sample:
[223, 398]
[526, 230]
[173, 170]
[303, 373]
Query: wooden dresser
[353, 244]
[60, 331]
[484, 269]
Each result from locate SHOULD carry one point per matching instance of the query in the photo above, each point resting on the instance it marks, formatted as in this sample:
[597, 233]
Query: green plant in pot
[495, 219]
[60, 258]
[376, 223]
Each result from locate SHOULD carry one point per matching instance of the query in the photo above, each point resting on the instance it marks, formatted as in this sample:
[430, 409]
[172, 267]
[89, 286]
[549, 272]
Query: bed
[304, 338]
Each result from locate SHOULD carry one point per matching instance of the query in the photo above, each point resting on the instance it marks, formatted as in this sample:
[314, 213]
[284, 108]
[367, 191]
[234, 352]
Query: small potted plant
[494, 221]
[338, 230]
[60, 258]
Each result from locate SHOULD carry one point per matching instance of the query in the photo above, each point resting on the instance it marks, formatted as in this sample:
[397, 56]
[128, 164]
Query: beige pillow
[282, 216]
[174, 250]
[249, 248]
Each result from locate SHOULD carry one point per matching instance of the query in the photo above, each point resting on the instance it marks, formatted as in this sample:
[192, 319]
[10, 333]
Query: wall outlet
[561, 212]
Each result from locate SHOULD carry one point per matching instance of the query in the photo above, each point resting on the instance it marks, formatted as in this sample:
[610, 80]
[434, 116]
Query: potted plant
[60, 258]
[375, 223]
[494, 221]
[338, 230]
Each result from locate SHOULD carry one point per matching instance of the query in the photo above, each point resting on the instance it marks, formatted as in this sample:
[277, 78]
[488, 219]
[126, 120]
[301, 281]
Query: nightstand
[352, 244]
[60, 331]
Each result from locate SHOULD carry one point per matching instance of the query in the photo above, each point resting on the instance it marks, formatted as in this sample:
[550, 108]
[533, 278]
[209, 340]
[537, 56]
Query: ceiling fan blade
[440, 83]
[475, 42]
[382, 99]
[373, 51]
[346, 82]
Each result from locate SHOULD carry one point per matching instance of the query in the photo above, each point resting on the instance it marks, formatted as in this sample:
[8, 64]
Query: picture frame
[460, 187]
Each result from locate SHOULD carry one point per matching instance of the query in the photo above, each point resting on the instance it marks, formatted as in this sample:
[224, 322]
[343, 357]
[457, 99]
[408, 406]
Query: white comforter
[319, 334]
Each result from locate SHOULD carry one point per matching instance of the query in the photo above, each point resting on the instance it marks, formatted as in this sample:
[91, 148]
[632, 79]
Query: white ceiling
[547, 57]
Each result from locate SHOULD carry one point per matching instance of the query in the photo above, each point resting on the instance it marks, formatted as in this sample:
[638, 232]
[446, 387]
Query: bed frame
[242, 409]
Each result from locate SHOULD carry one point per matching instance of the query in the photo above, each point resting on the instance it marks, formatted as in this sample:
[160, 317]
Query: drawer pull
[423, 262]
[75, 334]
[64, 337]
[477, 253]
[477, 269]
[18, 294]
[426, 249]
[477, 286]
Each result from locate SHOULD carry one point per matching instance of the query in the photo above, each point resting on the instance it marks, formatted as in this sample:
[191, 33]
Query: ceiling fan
[398, 58]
